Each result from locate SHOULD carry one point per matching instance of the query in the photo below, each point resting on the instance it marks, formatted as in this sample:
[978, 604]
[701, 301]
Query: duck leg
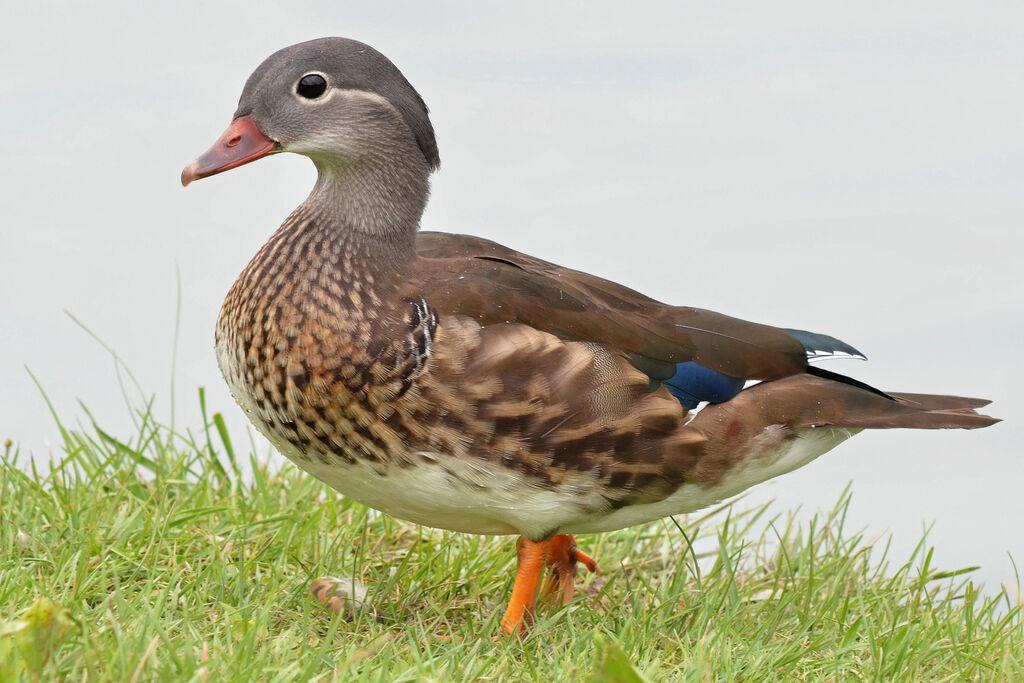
[563, 554]
[531, 557]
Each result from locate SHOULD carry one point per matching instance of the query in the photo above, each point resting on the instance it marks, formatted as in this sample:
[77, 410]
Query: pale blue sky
[854, 170]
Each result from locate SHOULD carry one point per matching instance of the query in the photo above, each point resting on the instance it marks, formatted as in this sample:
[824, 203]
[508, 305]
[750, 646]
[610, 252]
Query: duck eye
[311, 86]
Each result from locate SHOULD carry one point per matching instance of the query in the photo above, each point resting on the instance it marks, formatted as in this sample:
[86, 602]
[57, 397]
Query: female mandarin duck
[453, 382]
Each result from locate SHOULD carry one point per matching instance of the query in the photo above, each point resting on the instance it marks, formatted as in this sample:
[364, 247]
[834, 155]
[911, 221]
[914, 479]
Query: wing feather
[493, 284]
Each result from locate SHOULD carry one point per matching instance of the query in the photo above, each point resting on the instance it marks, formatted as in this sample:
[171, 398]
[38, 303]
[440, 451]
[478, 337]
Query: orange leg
[562, 558]
[532, 556]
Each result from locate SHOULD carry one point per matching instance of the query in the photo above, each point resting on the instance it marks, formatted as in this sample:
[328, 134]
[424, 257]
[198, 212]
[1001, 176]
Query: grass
[172, 556]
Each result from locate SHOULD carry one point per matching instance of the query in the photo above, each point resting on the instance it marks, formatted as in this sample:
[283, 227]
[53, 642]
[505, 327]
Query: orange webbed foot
[563, 556]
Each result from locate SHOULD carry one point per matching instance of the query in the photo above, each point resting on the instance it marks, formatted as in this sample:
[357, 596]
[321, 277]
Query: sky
[855, 169]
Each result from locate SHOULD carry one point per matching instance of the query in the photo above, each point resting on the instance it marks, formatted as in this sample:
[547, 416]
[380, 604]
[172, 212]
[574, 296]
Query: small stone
[343, 596]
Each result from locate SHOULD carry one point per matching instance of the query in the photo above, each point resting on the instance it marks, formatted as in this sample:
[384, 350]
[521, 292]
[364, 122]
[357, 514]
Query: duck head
[335, 100]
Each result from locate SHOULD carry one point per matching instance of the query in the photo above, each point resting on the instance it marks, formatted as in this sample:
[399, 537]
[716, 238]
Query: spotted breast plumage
[456, 383]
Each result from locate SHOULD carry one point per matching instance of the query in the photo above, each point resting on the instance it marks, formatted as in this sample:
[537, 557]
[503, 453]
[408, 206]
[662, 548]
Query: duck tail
[929, 411]
[903, 410]
[822, 398]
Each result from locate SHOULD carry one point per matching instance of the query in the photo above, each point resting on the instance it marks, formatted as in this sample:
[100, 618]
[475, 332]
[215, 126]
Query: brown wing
[493, 284]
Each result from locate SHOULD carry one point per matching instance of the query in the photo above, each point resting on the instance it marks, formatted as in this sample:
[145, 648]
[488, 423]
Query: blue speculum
[694, 383]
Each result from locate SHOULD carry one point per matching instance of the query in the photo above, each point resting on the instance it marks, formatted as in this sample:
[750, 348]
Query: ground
[176, 557]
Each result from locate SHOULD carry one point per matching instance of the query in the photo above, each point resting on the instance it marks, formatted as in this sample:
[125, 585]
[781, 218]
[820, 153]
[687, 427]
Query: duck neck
[370, 207]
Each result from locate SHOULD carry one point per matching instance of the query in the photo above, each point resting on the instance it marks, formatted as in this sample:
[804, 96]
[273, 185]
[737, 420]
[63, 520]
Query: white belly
[473, 496]
[470, 496]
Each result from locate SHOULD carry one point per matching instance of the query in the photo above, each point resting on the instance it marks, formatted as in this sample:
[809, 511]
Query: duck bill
[241, 143]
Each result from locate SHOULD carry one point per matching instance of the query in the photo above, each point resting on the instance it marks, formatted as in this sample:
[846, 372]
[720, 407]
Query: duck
[456, 383]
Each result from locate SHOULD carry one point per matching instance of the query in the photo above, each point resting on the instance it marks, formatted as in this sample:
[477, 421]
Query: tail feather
[939, 402]
[916, 418]
[810, 400]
